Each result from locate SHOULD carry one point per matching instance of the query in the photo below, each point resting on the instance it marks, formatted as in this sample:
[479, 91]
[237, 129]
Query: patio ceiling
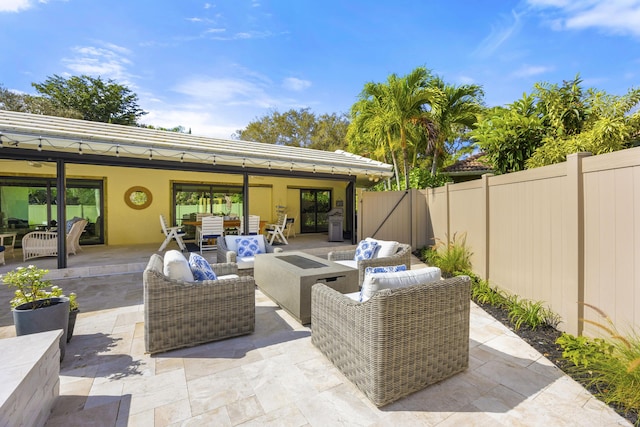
[62, 136]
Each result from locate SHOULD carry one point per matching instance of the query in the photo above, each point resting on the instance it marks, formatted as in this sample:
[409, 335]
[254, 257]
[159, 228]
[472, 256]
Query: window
[191, 199]
[28, 204]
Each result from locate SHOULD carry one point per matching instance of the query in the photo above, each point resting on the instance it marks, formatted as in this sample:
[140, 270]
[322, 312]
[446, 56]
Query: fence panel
[612, 237]
[561, 234]
[386, 216]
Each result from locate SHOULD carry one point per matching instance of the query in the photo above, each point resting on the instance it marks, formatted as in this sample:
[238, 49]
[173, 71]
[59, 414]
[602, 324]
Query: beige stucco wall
[125, 225]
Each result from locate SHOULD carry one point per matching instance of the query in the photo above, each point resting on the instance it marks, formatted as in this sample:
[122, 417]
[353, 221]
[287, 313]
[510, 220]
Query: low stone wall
[30, 378]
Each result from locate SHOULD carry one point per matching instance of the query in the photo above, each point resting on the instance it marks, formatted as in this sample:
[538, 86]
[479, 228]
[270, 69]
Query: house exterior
[467, 169]
[122, 178]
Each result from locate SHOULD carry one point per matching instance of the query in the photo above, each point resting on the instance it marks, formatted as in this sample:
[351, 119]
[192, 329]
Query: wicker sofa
[183, 314]
[399, 341]
[402, 256]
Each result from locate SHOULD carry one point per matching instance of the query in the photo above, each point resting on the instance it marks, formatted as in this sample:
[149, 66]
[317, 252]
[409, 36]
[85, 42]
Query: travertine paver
[276, 377]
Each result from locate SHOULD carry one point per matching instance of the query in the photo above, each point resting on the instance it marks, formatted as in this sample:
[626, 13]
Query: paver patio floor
[275, 376]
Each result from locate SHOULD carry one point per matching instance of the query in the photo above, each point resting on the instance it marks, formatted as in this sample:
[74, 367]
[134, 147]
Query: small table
[287, 278]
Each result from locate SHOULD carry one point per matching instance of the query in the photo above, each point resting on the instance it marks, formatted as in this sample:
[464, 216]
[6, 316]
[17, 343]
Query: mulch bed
[543, 339]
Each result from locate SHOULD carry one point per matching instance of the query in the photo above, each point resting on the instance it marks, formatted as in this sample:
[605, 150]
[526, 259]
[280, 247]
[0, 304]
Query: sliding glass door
[192, 199]
[314, 206]
[28, 204]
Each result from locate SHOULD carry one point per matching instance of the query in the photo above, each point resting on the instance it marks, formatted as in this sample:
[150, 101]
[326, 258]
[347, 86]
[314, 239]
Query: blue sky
[215, 66]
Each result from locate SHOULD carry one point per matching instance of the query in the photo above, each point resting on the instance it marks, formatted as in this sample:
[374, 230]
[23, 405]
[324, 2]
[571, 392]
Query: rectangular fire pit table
[287, 278]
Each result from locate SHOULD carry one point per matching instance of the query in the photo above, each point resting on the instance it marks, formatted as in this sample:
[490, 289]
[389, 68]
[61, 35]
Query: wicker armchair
[397, 342]
[45, 243]
[402, 256]
[183, 314]
[224, 254]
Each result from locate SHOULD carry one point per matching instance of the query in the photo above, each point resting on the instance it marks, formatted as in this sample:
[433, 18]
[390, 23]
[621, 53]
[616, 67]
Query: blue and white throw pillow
[366, 291]
[366, 250]
[247, 246]
[200, 268]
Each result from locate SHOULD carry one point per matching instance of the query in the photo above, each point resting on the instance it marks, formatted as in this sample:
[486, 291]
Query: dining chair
[275, 231]
[170, 234]
[212, 228]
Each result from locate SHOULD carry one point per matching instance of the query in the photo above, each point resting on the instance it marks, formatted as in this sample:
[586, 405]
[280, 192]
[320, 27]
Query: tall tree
[455, 113]
[298, 128]
[97, 100]
[13, 101]
[372, 132]
[401, 101]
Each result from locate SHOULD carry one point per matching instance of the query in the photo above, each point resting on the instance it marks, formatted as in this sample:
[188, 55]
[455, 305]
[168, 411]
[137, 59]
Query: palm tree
[456, 113]
[406, 100]
[371, 129]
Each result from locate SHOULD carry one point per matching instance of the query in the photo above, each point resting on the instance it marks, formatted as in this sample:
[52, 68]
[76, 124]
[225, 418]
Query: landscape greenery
[418, 122]
[608, 367]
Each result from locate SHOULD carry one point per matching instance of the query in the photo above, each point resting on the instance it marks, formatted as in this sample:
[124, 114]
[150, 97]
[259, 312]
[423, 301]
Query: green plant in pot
[37, 305]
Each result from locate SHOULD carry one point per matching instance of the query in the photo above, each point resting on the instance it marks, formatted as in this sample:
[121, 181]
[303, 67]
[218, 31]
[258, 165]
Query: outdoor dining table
[228, 223]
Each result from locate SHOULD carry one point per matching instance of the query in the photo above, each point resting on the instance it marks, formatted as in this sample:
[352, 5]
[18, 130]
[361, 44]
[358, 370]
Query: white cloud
[108, 61]
[14, 5]
[296, 85]
[532, 70]
[465, 80]
[614, 16]
[500, 34]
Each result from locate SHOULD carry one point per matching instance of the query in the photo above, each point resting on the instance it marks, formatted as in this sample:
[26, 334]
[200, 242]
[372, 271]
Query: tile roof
[472, 165]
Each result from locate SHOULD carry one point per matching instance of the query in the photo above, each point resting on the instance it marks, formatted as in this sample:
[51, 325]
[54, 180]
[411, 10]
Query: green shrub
[619, 368]
[530, 313]
[611, 365]
[450, 257]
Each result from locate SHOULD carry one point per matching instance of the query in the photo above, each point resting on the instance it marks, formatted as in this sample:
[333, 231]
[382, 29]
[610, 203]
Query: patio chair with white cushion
[45, 243]
[400, 340]
[179, 312]
[386, 253]
[254, 225]
[170, 234]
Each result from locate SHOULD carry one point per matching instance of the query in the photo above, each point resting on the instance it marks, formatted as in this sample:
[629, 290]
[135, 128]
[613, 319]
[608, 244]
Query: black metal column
[62, 219]
[245, 205]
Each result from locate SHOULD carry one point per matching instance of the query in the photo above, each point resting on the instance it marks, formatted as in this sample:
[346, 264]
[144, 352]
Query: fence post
[575, 240]
[486, 212]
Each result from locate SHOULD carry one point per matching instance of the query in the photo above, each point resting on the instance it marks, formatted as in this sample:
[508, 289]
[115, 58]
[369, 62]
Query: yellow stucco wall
[125, 225]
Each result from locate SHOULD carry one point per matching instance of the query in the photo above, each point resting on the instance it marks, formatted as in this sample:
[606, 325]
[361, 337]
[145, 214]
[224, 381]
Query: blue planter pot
[43, 315]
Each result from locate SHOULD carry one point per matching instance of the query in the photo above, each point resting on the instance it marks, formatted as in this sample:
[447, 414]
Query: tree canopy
[93, 98]
[298, 128]
[543, 127]
[411, 119]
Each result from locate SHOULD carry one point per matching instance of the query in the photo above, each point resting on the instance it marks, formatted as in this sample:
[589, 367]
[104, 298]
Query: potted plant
[37, 305]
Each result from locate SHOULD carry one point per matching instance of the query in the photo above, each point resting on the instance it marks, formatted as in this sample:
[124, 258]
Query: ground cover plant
[608, 367]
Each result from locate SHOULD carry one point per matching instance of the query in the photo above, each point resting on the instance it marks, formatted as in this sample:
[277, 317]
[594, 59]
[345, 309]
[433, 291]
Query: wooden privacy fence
[562, 234]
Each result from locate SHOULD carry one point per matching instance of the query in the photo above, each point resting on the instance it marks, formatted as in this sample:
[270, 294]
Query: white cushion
[354, 296]
[386, 248]
[348, 263]
[247, 259]
[231, 243]
[176, 266]
[374, 282]
[228, 276]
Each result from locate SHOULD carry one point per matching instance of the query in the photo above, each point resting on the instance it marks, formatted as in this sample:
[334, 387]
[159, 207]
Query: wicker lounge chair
[183, 314]
[402, 256]
[399, 341]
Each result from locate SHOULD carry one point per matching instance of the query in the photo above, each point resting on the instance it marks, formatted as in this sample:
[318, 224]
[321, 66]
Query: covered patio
[275, 376]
